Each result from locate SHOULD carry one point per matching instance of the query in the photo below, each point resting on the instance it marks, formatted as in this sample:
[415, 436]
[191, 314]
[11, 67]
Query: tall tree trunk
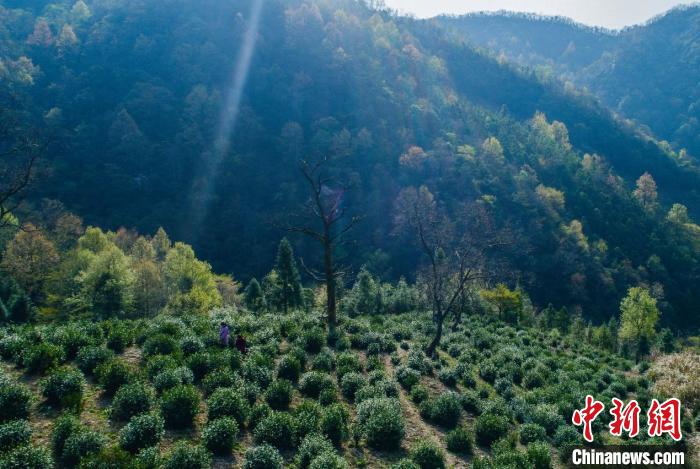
[430, 350]
[330, 283]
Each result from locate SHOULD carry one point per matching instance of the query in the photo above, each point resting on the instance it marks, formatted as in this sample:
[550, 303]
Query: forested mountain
[193, 115]
[648, 73]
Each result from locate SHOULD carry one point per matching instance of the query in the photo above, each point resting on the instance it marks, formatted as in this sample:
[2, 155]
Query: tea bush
[114, 374]
[42, 357]
[228, 402]
[312, 446]
[184, 455]
[489, 428]
[219, 378]
[444, 410]
[141, 432]
[131, 399]
[289, 368]
[324, 361]
[90, 358]
[64, 388]
[307, 418]
[279, 394]
[428, 455]
[328, 460]
[263, 457]
[313, 382]
[179, 406]
[334, 423]
[460, 441]
[79, 445]
[27, 457]
[219, 435]
[381, 421]
[313, 340]
[407, 377]
[64, 427]
[277, 429]
[172, 377]
[531, 432]
[539, 455]
[351, 383]
[14, 434]
[15, 401]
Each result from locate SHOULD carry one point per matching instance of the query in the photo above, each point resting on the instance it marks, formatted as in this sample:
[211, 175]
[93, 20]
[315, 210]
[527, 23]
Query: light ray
[205, 182]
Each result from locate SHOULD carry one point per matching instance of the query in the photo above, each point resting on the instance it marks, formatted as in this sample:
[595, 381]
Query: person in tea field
[223, 334]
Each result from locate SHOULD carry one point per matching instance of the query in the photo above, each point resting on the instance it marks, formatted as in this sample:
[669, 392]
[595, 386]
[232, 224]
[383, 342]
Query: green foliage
[91, 357]
[407, 377]
[287, 290]
[64, 388]
[15, 305]
[219, 435]
[489, 428]
[277, 429]
[253, 295]
[381, 421]
[172, 377]
[312, 446]
[142, 431]
[328, 460]
[313, 340]
[539, 455]
[179, 406]
[14, 434]
[186, 455]
[289, 368]
[279, 394]
[308, 418]
[160, 344]
[81, 445]
[64, 427]
[460, 441]
[15, 400]
[26, 457]
[228, 402]
[114, 374]
[334, 423]
[351, 383]
[638, 316]
[313, 382]
[532, 432]
[42, 357]
[444, 410]
[263, 457]
[130, 400]
[428, 455]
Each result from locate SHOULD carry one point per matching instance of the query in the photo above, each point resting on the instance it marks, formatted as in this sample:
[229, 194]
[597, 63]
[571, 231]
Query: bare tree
[455, 252]
[19, 155]
[327, 221]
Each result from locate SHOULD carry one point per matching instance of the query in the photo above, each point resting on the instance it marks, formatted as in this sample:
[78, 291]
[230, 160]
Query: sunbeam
[205, 183]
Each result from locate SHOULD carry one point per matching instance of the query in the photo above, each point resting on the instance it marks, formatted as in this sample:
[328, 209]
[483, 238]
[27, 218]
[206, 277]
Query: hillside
[648, 73]
[196, 120]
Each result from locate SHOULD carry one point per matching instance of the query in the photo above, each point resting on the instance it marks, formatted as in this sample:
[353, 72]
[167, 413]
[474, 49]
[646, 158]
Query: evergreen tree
[289, 290]
[253, 295]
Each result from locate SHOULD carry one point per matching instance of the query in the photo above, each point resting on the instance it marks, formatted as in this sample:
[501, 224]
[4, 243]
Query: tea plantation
[164, 393]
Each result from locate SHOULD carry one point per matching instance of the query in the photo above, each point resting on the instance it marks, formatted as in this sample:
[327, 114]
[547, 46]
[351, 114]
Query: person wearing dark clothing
[241, 344]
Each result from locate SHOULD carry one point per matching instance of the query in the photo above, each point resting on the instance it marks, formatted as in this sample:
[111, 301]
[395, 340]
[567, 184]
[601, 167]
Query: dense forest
[648, 72]
[317, 234]
[152, 121]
